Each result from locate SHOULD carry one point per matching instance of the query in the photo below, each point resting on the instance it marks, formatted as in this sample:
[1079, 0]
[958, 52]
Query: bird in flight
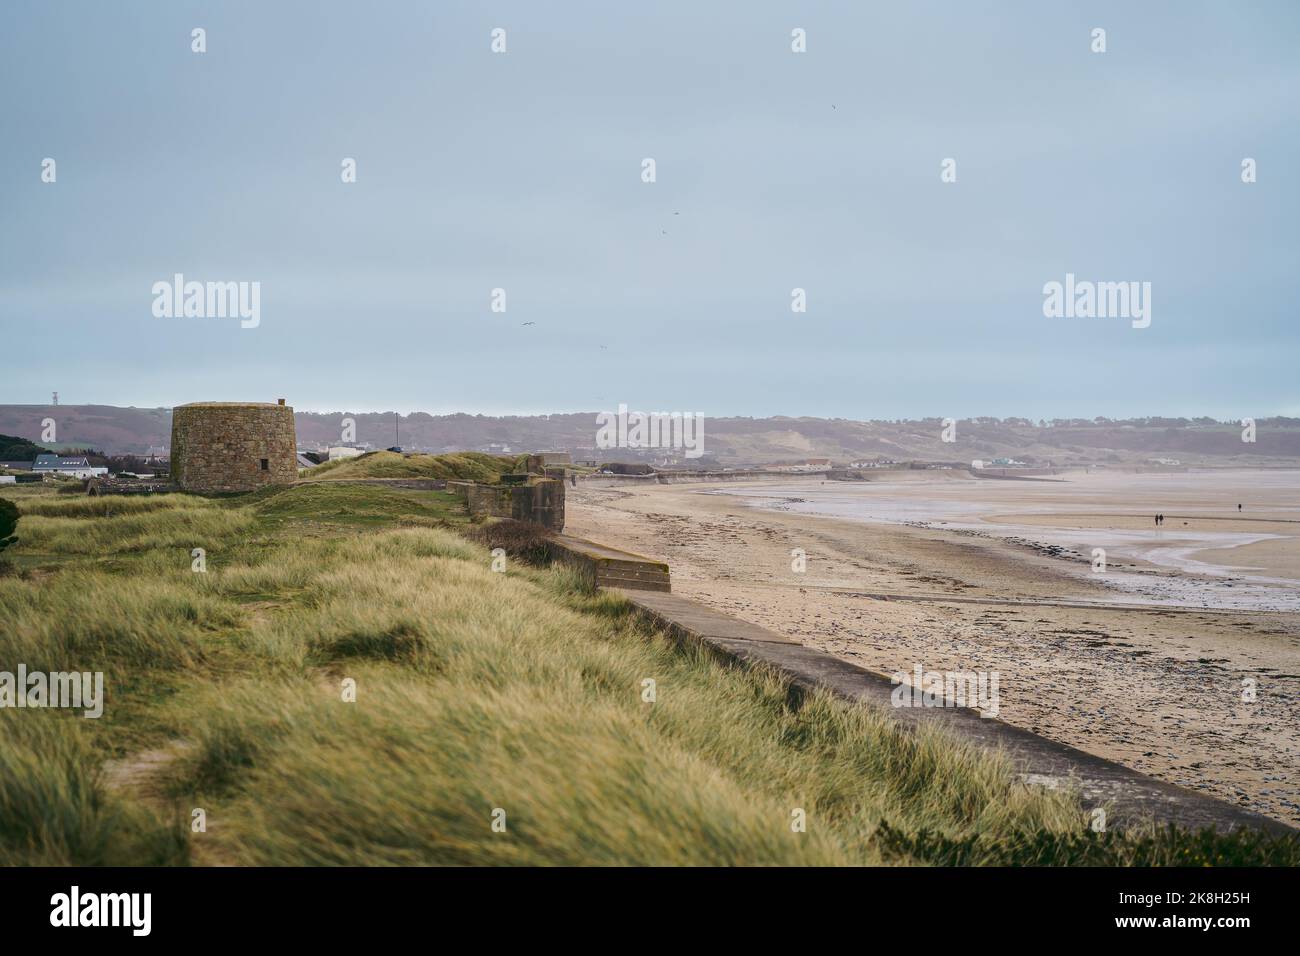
[530, 323]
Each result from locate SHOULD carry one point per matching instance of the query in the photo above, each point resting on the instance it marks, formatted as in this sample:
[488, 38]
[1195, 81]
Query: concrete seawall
[1128, 797]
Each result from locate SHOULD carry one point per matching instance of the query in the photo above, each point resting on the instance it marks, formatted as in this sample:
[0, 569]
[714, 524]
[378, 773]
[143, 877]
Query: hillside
[106, 428]
[730, 441]
[13, 448]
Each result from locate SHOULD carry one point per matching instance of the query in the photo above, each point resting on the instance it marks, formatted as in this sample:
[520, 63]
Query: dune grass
[196, 524]
[485, 692]
[308, 506]
[55, 809]
[465, 466]
[107, 506]
[479, 696]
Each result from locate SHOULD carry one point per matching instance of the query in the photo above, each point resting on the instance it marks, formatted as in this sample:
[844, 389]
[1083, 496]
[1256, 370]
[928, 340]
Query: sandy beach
[1149, 663]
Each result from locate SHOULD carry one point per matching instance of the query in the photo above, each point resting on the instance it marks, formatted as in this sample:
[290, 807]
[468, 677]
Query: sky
[774, 171]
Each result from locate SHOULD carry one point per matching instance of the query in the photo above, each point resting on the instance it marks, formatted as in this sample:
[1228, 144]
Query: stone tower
[233, 446]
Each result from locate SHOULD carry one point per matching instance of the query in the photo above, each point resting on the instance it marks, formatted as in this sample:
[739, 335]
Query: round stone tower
[233, 446]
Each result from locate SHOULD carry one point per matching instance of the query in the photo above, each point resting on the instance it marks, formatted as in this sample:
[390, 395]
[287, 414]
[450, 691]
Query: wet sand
[1246, 560]
[1139, 672]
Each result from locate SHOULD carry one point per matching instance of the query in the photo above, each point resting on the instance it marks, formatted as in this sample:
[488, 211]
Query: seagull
[530, 323]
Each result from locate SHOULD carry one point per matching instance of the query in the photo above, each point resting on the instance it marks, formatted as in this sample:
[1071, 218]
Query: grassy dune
[476, 692]
[467, 466]
[55, 808]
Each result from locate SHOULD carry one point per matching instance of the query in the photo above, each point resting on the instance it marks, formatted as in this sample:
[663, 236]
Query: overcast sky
[775, 170]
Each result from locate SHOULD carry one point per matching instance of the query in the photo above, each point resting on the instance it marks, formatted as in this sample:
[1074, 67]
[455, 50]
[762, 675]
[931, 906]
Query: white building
[75, 467]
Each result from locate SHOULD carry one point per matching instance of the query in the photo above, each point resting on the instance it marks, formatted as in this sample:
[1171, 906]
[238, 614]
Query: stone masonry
[233, 446]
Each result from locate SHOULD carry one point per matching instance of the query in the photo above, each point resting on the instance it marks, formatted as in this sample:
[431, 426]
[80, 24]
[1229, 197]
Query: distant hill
[731, 441]
[107, 428]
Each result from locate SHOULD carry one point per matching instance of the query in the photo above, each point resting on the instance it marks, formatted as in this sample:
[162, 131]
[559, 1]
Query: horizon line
[1033, 420]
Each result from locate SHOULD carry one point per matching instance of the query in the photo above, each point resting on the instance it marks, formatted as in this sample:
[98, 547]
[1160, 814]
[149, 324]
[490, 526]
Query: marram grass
[479, 697]
[468, 466]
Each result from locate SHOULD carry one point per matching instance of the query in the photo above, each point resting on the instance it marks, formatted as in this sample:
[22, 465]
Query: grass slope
[476, 693]
[466, 466]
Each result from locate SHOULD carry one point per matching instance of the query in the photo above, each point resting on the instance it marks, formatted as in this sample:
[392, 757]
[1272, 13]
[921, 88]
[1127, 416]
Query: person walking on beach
[1238, 509]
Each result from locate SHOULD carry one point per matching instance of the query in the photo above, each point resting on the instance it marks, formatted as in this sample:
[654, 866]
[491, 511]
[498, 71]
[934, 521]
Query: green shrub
[8, 522]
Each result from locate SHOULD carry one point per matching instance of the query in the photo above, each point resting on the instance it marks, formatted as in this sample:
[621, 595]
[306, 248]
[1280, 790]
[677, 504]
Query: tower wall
[233, 446]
